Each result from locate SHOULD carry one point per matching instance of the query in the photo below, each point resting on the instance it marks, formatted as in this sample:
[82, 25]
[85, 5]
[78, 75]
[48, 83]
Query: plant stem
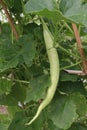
[69, 66]
[9, 19]
[79, 44]
[68, 27]
[69, 53]
[16, 80]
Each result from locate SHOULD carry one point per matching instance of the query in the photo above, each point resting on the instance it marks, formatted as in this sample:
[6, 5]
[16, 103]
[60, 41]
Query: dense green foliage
[24, 65]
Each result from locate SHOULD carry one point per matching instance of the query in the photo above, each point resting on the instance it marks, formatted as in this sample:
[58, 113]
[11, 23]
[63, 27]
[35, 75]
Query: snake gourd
[54, 70]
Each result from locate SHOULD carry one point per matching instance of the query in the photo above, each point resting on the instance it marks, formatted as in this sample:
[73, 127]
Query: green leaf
[44, 8]
[9, 4]
[54, 15]
[66, 5]
[51, 126]
[12, 110]
[78, 126]
[8, 55]
[2, 127]
[17, 94]
[5, 86]
[63, 112]
[68, 77]
[27, 50]
[18, 122]
[37, 88]
[11, 55]
[72, 87]
[74, 11]
[6, 31]
[17, 6]
[81, 104]
[4, 121]
[35, 71]
[20, 119]
[31, 5]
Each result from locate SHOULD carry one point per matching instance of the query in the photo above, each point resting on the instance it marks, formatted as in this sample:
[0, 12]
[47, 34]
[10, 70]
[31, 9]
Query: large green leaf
[44, 8]
[11, 55]
[31, 5]
[8, 54]
[54, 15]
[37, 88]
[63, 112]
[27, 48]
[81, 104]
[74, 11]
[20, 119]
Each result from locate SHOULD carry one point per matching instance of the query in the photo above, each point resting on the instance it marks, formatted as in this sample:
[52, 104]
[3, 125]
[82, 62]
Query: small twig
[79, 44]
[72, 65]
[77, 72]
[15, 80]
[9, 19]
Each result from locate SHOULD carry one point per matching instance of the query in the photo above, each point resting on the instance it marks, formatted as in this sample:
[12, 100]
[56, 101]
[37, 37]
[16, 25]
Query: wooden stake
[79, 44]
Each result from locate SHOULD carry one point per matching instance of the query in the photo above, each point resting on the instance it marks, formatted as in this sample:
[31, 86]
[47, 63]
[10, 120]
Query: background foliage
[24, 65]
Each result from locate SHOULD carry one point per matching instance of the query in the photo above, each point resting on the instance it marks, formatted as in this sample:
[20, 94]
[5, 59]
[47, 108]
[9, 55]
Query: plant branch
[9, 19]
[67, 52]
[15, 80]
[78, 72]
[69, 66]
[79, 44]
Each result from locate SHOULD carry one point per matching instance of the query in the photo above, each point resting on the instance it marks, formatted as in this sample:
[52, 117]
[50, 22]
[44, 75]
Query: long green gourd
[54, 70]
